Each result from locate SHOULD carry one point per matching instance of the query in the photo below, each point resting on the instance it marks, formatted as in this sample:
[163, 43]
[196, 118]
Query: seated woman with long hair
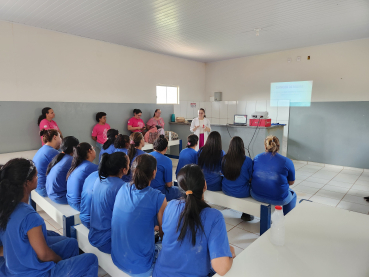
[108, 146]
[189, 154]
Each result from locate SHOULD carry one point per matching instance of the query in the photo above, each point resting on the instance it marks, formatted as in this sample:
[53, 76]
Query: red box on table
[261, 122]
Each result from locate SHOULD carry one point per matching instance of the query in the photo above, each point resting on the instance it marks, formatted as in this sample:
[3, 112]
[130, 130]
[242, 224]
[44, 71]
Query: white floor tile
[317, 180]
[362, 183]
[360, 187]
[353, 169]
[309, 168]
[311, 184]
[308, 190]
[358, 193]
[232, 217]
[364, 178]
[49, 226]
[237, 250]
[313, 167]
[330, 194]
[325, 200]
[101, 272]
[348, 178]
[303, 175]
[316, 164]
[299, 162]
[331, 167]
[340, 184]
[324, 175]
[251, 226]
[303, 195]
[355, 199]
[335, 188]
[241, 238]
[298, 181]
[229, 227]
[353, 207]
[54, 223]
[44, 215]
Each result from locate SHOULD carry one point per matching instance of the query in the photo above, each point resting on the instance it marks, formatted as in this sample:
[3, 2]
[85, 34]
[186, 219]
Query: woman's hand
[207, 129]
[196, 127]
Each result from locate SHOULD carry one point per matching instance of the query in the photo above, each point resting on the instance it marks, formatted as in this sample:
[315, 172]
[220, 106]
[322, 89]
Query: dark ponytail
[44, 112]
[80, 154]
[192, 140]
[48, 135]
[121, 141]
[67, 148]
[111, 164]
[191, 178]
[160, 143]
[211, 153]
[13, 176]
[135, 140]
[143, 170]
[111, 134]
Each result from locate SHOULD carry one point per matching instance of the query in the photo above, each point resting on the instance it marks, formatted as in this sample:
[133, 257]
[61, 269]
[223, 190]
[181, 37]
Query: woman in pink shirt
[99, 132]
[136, 124]
[46, 122]
[156, 121]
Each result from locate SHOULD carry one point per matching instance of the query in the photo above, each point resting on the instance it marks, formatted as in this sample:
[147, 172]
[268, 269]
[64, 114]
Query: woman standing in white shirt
[200, 126]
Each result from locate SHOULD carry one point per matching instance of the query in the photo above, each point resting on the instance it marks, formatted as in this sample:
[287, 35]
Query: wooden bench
[178, 142]
[246, 205]
[80, 232]
[65, 215]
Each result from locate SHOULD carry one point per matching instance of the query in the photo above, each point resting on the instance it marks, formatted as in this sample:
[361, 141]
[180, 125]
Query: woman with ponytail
[272, 176]
[137, 207]
[111, 170]
[56, 173]
[44, 156]
[135, 145]
[81, 167]
[121, 144]
[29, 249]
[45, 121]
[164, 174]
[189, 154]
[193, 230]
[108, 146]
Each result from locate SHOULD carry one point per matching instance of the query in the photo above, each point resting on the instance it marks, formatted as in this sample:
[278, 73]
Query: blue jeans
[98, 145]
[288, 203]
[158, 247]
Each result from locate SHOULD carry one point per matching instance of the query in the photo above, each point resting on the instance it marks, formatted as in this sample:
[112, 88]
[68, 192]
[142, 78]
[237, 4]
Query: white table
[320, 241]
[178, 142]
[5, 157]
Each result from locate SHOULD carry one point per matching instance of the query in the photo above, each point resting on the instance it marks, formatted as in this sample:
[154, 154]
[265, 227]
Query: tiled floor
[336, 186]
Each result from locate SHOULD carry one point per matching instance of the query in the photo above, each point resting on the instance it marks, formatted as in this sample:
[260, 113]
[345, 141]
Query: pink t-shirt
[134, 122]
[46, 124]
[153, 122]
[100, 132]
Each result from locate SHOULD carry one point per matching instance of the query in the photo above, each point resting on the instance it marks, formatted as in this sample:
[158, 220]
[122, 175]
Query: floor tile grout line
[350, 189]
[325, 185]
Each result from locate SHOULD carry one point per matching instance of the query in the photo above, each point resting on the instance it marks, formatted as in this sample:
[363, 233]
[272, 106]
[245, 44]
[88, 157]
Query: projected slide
[291, 93]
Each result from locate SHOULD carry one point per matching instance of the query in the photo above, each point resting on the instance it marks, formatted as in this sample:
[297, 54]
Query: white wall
[43, 65]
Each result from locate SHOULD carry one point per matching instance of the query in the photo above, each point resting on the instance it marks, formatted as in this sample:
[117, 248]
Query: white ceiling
[202, 30]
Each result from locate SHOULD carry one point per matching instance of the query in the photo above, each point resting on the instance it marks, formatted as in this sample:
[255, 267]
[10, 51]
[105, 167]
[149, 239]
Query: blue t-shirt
[128, 177]
[134, 215]
[271, 175]
[21, 259]
[76, 180]
[86, 197]
[181, 258]
[42, 159]
[213, 177]
[103, 198]
[187, 156]
[124, 150]
[56, 180]
[241, 186]
[110, 150]
[164, 171]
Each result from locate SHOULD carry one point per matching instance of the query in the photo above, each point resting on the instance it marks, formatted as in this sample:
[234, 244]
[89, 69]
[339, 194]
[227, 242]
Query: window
[166, 95]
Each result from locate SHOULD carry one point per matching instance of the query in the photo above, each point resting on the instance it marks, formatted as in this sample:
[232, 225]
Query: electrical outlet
[289, 60]
[298, 59]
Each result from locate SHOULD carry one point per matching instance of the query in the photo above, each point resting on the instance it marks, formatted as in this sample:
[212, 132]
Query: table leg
[265, 213]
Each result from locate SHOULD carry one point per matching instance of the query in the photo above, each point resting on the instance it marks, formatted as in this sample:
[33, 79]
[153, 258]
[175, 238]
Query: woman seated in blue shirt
[210, 160]
[111, 170]
[137, 207]
[44, 156]
[135, 145]
[189, 154]
[29, 250]
[56, 173]
[195, 231]
[86, 198]
[272, 176]
[121, 144]
[108, 146]
[82, 166]
[164, 173]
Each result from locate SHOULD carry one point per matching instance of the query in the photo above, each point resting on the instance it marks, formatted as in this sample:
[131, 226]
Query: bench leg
[73, 232]
[265, 213]
[32, 203]
[67, 223]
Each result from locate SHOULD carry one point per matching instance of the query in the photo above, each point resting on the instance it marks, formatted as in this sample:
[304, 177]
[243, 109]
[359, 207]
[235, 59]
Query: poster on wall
[193, 105]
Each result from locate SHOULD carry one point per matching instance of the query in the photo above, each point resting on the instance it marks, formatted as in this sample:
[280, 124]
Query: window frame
[166, 95]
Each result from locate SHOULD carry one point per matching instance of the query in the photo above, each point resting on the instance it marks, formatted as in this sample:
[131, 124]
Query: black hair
[13, 176]
[137, 111]
[67, 148]
[111, 134]
[202, 109]
[160, 143]
[135, 140]
[211, 153]
[192, 140]
[80, 154]
[191, 178]
[100, 115]
[111, 164]
[121, 141]
[48, 135]
[44, 112]
[233, 160]
[143, 170]
[155, 112]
